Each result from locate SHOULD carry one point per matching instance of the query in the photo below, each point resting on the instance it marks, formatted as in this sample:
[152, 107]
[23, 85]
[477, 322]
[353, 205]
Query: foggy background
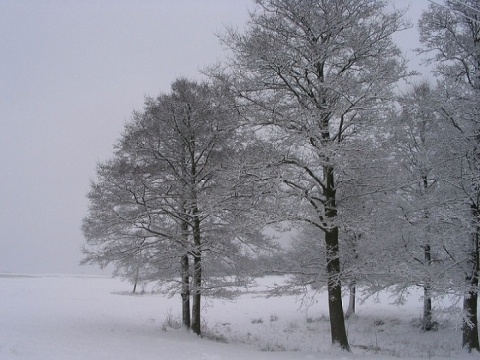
[71, 73]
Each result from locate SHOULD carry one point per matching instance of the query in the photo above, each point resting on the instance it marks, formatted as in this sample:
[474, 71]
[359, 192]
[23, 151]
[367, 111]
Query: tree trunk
[185, 291]
[470, 322]
[197, 274]
[351, 299]
[197, 283]
[135, 281]
[335, 306]
[427, 323]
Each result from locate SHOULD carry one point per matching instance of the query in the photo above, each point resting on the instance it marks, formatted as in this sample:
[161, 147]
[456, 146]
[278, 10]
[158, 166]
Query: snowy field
[87, 318]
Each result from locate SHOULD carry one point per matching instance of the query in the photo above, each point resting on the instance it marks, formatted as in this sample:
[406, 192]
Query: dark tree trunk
[197, 275]
[427, 323]
[185, 291]
[197, 295]
[135, 281]
[335, 306]
[470, 323]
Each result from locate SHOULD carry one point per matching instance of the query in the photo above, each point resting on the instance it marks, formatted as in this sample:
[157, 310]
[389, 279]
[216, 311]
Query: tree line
[304, 127]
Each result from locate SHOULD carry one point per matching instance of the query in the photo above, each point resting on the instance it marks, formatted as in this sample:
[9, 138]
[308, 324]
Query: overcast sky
[71, 73]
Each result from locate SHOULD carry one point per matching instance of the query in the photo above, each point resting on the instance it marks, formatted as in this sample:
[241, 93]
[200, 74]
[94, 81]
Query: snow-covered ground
[79, 317]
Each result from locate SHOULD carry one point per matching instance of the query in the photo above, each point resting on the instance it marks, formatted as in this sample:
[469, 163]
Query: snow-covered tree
[130, 224]
[418, 147]
[315, 74]
[174, 192]
[451, 32]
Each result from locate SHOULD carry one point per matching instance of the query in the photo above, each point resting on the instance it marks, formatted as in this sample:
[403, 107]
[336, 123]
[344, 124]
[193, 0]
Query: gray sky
[71, 73]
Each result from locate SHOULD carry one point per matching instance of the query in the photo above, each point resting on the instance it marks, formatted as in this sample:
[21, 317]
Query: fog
[71, 74]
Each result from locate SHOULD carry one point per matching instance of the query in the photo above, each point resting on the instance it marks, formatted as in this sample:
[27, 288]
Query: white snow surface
[63, 317]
